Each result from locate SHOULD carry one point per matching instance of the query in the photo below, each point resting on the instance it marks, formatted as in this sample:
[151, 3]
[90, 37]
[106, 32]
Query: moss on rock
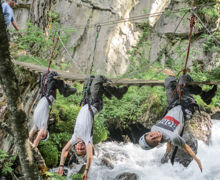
[49, 152]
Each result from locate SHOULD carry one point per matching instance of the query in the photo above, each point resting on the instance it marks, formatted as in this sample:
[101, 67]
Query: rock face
[114, 41]
[216, 115]
[127, 176]
[77, 20]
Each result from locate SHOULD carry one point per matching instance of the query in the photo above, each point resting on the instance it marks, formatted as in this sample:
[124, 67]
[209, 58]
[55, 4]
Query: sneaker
[69, 92]
[207, 96]
[121, 92]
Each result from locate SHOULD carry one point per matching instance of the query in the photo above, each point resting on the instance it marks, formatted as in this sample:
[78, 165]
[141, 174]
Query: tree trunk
[17, 117]
[39, 12]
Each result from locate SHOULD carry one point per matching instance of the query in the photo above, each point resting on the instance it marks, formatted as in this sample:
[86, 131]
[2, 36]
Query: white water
[146, 164]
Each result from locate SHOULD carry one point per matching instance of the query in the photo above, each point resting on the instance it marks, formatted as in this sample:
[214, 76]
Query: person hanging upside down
[48, 86]
[168, 129]
[82, 139]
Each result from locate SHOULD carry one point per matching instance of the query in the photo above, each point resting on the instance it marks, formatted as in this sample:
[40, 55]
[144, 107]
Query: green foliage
[34, 41]
[49, 152]
[39, 45]
[35, 60]
[200, 1]
[138, 55]
[209, 11]
[55, 176]
[6, 162]
[123, 113]
[209, 45]
[199, 75]
[54, 16]
[100, 132]
[76, 177]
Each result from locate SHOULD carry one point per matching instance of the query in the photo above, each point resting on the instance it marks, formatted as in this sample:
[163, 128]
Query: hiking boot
[207, 96]
[120, 92]
[69, 91]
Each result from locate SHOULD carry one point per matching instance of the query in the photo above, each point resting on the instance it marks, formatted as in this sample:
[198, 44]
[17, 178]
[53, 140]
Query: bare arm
[31, 134]
[15, 25]
[38, 138]
[89, 152]
[64, 154]
[191, 153]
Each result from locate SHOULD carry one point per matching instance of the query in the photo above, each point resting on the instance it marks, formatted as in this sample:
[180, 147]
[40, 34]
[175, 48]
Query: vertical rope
[98, 28]
[50, 61]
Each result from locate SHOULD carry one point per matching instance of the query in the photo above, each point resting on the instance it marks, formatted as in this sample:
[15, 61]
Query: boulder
[127, 176]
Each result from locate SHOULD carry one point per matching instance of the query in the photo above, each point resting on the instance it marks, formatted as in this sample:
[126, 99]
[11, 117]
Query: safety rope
[139, 17]
[216, 40]
[98, 28]
[180, 86]
[50, 61]
[69, 54]
[192, 26]
[87, 89]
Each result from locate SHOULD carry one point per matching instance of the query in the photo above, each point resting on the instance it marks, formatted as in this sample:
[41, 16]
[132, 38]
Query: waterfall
[130, 158]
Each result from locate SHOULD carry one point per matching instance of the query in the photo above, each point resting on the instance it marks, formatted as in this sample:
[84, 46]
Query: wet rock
[130, 134]
[216, 116]
[200, 126]
[127, 176]
[107, 163]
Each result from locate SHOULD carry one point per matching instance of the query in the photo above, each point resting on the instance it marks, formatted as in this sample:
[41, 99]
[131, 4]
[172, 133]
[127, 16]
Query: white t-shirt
[171, 126]
[83, 126]
[41, 113]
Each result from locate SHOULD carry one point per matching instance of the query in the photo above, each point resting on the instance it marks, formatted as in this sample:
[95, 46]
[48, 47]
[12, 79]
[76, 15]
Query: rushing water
[146, 164]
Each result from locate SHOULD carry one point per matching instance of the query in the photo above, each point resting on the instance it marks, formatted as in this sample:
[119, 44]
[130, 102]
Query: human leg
[65, 89]
[118, 92]
[207, 96]
[38, 138]
[31, 133]
[170, 85]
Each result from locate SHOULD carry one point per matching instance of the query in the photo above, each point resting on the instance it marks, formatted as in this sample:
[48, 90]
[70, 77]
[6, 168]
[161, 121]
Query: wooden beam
[67, 76]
